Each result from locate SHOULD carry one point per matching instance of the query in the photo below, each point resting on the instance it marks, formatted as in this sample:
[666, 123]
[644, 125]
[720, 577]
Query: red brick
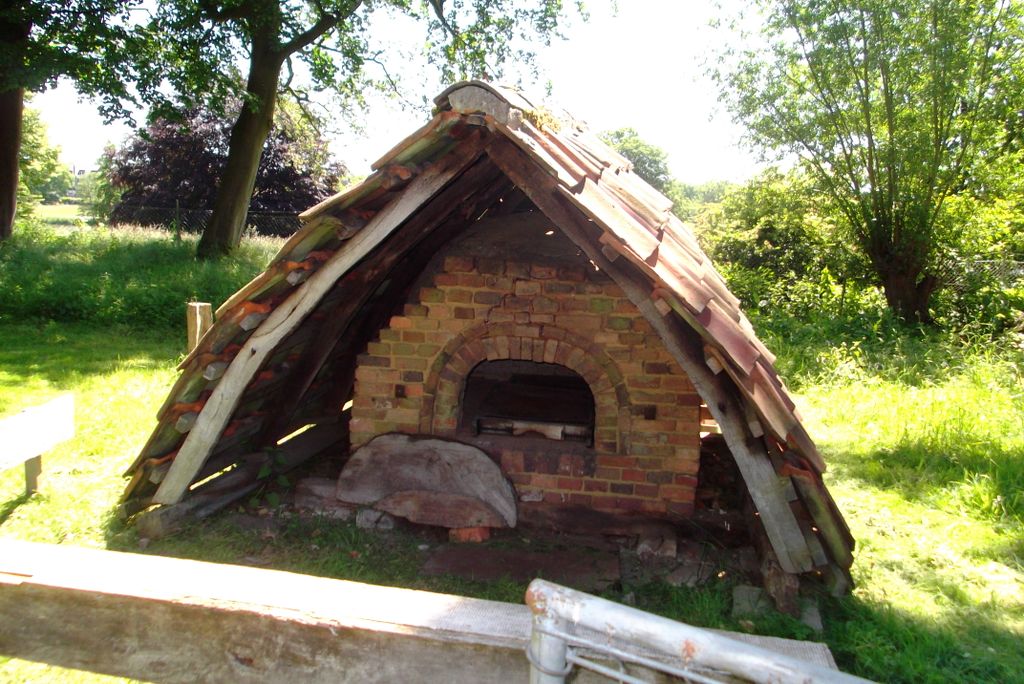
[558, 288]
[424, 323]
[465, 313]
[431, 295]
[446, 279]
[517, 269]
[676, 493]
[634, 476]
[469, 534]
[653, 506]
[458, 264]
[580, 499]
[573, 483]
[621, 488]
[459, 296]
[686, 481]
[526, 288]
[595, 486]
[646, 490]
[487, 297]
[543, 272]
[472, 280]
[607, 473]
[400, 323]
[616, 461]
[512, 462]
[544, 481]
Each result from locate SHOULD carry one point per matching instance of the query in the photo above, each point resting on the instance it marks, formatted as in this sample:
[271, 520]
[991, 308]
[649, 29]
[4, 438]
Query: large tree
[40, 42]
[177, 160]
[197, 44]
[891, 104]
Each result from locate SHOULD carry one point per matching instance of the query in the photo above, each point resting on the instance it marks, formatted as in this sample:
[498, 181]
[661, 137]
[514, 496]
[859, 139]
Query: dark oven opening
[527, 398]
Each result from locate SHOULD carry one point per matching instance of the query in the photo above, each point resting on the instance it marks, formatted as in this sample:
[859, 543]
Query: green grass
[60, 214]
[923, 433]
[129, 276]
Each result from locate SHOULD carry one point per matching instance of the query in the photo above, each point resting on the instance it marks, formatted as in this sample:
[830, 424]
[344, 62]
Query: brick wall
[475, 308]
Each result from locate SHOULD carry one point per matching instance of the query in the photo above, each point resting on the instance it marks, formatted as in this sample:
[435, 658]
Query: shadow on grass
[984, 476]
[8, 507]
[62, 353]
[884, 644]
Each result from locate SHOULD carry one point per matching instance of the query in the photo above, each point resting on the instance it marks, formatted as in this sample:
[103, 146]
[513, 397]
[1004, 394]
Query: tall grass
[128, 276]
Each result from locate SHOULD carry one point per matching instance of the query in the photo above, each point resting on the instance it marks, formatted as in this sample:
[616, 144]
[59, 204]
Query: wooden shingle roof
[484, 140]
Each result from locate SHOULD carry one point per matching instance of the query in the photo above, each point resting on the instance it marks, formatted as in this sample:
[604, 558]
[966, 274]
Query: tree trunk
[909, 295]
[11, 108]
[249, 134]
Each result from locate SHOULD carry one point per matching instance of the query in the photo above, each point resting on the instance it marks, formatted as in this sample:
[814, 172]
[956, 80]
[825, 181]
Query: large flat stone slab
[396, 463]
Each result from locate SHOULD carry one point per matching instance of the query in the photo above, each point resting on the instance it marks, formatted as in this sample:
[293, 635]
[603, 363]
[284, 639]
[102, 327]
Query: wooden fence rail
[26, 436]
[171, 620]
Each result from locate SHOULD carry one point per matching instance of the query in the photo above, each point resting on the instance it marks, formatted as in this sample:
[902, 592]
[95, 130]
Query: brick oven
[513, 341]
[502, 278]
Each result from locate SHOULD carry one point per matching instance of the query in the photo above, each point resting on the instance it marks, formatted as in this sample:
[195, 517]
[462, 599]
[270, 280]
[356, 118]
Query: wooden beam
[170, 620]
[289, 314]
[764, 484]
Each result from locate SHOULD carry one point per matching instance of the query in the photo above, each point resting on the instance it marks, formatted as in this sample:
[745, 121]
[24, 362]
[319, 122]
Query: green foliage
[42, 176]
[85, 40]
[124, 276]
[194, 48]
[649, 162]
[98, 193]
[891, 105]
[689, 200]
[775, 242]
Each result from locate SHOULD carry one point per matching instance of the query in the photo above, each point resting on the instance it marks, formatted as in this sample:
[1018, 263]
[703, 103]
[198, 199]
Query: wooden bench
[26, 436]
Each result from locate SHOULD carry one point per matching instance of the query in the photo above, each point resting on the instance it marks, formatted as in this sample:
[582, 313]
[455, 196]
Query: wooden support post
[199, 319]
[33, 468]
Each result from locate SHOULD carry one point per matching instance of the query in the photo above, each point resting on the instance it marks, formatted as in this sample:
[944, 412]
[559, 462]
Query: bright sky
[641, 66]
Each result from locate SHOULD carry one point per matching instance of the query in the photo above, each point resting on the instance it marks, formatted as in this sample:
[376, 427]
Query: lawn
[924, 434]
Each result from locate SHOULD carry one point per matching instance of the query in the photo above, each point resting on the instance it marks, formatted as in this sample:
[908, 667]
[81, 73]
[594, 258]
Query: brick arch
[543, 343]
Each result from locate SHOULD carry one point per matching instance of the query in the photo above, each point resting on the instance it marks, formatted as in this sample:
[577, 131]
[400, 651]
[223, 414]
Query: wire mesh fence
[279, 224]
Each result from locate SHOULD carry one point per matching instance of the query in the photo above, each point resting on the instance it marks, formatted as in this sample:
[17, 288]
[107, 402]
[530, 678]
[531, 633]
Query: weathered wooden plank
[290, 314]
[36, 430]
[170, 620]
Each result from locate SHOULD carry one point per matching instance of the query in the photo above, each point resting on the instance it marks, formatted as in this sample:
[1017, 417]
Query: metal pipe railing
[562, 618]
